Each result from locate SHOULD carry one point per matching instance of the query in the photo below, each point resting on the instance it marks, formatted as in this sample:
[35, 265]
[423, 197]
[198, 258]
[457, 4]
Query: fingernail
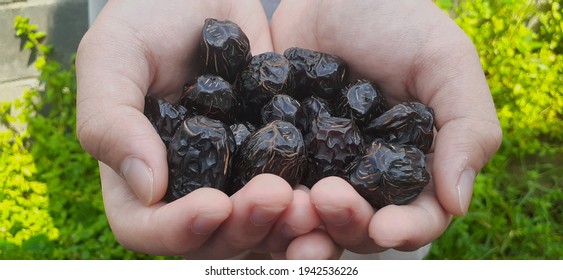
[464, 187]
[336, 217]
[139, 176]
[203, 224]
[262, 216]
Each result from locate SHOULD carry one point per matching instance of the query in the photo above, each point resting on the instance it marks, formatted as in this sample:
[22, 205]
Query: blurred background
[50, 200]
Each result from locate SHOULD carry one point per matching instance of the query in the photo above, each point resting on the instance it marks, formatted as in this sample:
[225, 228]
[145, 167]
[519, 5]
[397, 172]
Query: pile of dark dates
[295, 115]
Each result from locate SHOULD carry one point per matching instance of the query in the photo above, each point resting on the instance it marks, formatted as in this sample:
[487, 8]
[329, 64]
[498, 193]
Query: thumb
[469, 132]
[112, 79]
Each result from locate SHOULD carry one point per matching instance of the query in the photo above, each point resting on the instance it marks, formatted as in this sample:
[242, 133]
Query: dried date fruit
[362, 101]
[282, 107]
[164, 117]
[318, 73]
[241, 131]
[224, 49]
[332, 143]
[388, 174]
[199, 155]
[408, 123]
[211, 96]
[312, 108]
[267, 74]
[276, 148]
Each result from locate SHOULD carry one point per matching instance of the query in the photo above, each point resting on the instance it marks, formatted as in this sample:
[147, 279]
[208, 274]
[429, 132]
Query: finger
[316, 245]
[298, 219]
[110, 123]
[449, 78]
[297, 32]
[114, 73]
[462, 152]
[345, 214]
[256, 207]
[162, 229]
[252, 19]
[409, 227]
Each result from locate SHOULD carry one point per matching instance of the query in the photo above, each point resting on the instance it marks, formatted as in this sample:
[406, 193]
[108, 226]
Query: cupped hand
[413, 51]
[136, 48]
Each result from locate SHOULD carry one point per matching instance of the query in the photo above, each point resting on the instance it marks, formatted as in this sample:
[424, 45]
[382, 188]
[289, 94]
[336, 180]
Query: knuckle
[88, 136]
[492, 139]
[497, 135]
[95, 136]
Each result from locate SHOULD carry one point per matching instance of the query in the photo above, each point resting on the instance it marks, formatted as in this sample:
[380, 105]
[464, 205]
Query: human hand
[139, 47]
[413, 51]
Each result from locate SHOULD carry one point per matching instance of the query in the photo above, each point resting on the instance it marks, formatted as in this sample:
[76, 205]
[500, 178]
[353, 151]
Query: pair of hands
[410, 48]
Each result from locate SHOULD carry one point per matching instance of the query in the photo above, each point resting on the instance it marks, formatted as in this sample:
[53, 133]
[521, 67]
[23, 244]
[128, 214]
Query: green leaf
[40, 62]
[29, 45]
[445, 4]
[46, 49]
[40, 35]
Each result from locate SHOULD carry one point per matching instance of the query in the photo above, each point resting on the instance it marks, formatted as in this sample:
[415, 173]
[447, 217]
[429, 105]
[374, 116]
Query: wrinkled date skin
[267, 74]
[211, 96]
[312, 108]
[199, 155]
[165, 117]
[409, 123]
[276, 148]
[332, 144]
[319, 73]
[389, 174]
[224, 49]
[282, 107]
[361, 101]
[241, 131]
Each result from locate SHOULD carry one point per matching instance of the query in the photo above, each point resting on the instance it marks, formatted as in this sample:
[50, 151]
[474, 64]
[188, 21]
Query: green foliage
[23, 201]
[551, 25]
[51, 204]
[524, 72]
[513, 215]
[517, 204]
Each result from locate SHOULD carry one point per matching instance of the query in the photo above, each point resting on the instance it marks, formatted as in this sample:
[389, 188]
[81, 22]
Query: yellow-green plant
[524, 69]
[24, 201]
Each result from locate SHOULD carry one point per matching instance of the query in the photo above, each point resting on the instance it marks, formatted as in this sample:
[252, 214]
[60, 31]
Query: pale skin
[410, 48]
